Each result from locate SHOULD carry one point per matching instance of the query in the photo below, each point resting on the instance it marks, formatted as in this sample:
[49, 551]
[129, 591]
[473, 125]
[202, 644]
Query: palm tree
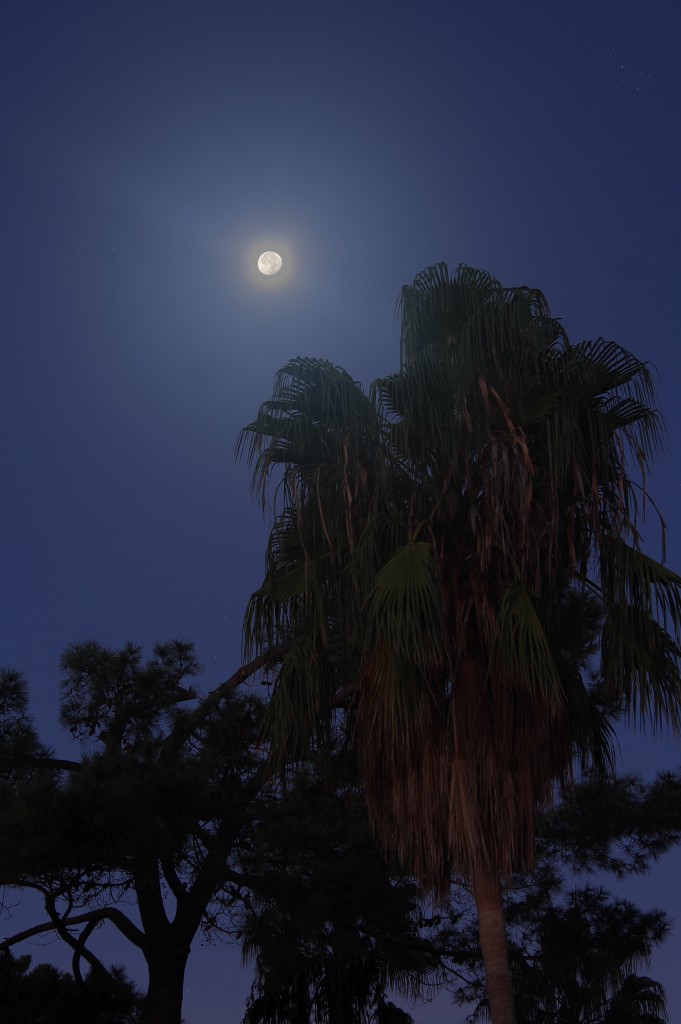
[430, 538]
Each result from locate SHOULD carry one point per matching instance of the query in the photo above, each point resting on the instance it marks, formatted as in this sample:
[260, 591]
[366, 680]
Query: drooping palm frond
[524, 647]
[404, 607]
[291, 597]
[319, 425]
[640, 665]
[297, 715]
[640, 1000]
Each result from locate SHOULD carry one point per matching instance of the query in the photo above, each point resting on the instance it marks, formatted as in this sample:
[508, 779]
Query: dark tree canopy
[43, 994]
[331, 929]
[577, 951]
[172, 807]
[165, 794]
[175, 808]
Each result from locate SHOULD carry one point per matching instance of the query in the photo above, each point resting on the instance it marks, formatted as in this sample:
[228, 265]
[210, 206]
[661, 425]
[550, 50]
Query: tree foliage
[577, 951]
[330, 928]
[49, 996]
[171, 808]
[156, 810]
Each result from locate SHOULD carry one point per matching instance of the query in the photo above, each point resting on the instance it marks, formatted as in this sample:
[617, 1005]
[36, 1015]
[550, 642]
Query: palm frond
[298, 712]
[640, 664]
[404, 608]
[316, 415]
[639, 1000]
[524, 646]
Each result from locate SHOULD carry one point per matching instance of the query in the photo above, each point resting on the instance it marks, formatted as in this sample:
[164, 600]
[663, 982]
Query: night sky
[151, 151]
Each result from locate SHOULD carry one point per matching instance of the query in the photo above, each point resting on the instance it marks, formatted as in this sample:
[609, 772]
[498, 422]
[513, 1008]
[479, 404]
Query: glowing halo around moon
[269, 263]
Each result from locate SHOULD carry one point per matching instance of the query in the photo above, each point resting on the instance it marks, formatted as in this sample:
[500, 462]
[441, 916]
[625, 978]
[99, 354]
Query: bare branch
[124, 925]
[186, 726]
[80, 950]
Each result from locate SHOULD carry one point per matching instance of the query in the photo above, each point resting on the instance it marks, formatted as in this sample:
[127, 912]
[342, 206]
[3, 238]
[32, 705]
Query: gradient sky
[151, 150]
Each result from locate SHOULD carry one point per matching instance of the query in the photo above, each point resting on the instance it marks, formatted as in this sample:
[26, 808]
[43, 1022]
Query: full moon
[269, 263]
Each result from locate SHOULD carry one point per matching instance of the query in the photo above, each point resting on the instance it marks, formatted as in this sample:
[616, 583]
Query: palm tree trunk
[494, 946]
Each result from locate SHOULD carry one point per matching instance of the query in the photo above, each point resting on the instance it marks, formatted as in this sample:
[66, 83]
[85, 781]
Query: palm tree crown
[434, 542]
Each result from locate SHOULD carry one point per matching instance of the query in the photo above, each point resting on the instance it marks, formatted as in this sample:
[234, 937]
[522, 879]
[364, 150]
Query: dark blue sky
[152, 149]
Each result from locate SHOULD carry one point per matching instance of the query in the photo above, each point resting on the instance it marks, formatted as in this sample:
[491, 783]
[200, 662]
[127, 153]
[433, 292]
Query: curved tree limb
[184, 728]
[80, 950]
[124, 925]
